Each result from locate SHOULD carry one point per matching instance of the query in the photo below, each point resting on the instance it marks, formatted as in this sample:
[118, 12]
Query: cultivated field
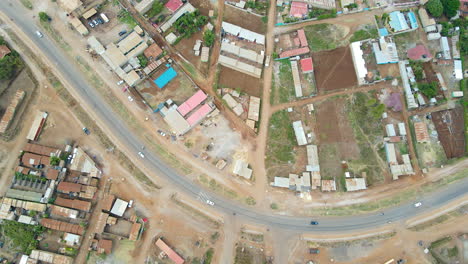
[229, 78]
[243, 19]
[450, 126]
[334, 69]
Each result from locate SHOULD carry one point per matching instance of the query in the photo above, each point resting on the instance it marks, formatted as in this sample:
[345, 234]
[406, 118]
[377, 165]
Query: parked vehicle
[39, 34]
[121, 33]
[314, 250]
[91, 24]
[95, 22]
[267, 61]
[130, 98]
[120, 82]
[99, 20]
[210, 202]
[141, 154]
[86, 131]
[418, 204]
[314, 223]
[104, 17]
[130, 204]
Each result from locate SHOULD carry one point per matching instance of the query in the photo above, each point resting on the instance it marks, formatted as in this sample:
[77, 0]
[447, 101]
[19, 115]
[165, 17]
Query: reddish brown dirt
[204, 6]
[451, 132]
[185, 47]
[230, 78]
[243, 19]
[335, 69]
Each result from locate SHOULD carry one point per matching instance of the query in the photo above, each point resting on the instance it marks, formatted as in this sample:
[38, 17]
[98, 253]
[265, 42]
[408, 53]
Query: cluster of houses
[58, 189]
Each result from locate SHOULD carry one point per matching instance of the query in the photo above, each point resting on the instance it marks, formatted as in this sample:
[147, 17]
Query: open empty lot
[243, 19]
[450, 126]
[229, 78]
[334, 69]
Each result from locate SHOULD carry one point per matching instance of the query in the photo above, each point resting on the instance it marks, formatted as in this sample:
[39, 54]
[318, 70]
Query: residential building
[355, 184]
[307, 65]
[242, 169]
[359, 62]
[153, 52]
[4, 50]
[119, 207]
[171, 254]
[410, 100]
[427, 23]
[312, 159]
[299, 9]
[420, 52]
[11, 110]
[299, 132]
[296, 79]
[390, 129]
[37, 125]
[205, 54]
[422, 134]
[294, 52]
[173, 5]
[187, 8]
[72, 239]
[144, 6]
[254, 108]
[445, 48]
[49, 257]
[104, 246]
[41, 150]
[63, 211]
[74, 203]
[243, 33]
[385, 51]
[328, 185]
[69, 187]
[457, 70]
[398, 21]
[281, 182]
[62, 226]
[134, 232]
[76, 23]
[402, 129]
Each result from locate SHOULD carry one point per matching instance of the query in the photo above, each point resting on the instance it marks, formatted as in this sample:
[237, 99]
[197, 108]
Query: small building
[173, 5]
[144, 6]
[165, 77]
[402, 129]
[171, 38]
[25, 219]
[281, 182]
[312, 158]
[254, 108]
[307, 65]
[104, 246]
[302, 38]
[385, 52]
[153, 51]
[49, 257]
[205, 54]
[355, 184]
[69, 187]
[390, 129]
[191, 103]
[62, 226]
[422, 134]
[134, 232]
[81, 205]
[398, 21]
[427, 23]
[390, 153]
[76, 23]
[107, 202]
[4, 50]
[296, 79]
[71, 239]
[171, 254]
[242, 169]
[328, 185]
[63, 211]
[294, 52]
[119, 207]
[457, 70]
[299, 9]
[91, 12]
[445, 48]
[37, 126]
[299, 132]
[420, 52]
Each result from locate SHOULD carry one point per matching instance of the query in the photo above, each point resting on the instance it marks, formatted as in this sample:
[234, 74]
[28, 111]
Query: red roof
[302, 37]
[169, 252]
[199, 114]
[298, 9]
[418, 52]
[191, 103]
[69, 187]
[294, 52]
[307, 65]
[173, 5]
[4, 50]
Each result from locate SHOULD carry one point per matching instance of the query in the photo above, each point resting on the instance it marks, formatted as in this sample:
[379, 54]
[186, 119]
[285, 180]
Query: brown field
[230, 78]
[450, 125]
[243, 19]
[335, 69]
[204, 6]
[185, 47]
[335, 136]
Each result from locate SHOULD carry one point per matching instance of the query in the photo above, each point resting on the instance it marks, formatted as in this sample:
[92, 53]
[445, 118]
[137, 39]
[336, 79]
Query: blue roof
[413, 20]
[383, 32]
[165, 78]
[398, 21]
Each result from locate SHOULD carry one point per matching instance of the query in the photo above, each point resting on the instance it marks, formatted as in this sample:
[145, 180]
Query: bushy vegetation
[351, 6]
[450, 7]
[435, 8]
[366, 33]
[29, 177]
[428, 89]
[322, 13]
[209, 38]
[54, 161]
[9, 64]
[417, 69]
[250, 200]
[156, 8]
[143, 60]
[190, 23]
[259, 6]
[280, 140]
[126, 18]
[208, 256]
[22, 236]
[43, 17]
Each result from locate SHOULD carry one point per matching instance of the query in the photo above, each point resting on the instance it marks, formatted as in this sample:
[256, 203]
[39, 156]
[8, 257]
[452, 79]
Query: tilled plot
[450, 125]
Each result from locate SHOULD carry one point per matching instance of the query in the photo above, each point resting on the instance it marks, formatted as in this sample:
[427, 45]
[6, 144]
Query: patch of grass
[322, 37]
[351, 242]
[27, 4]
[274, 206]
[440, 242]
[250, 201]
[218, 188]
[127, 18]
[368, 32]
[440, 219]
[194, 211]
[22, 236]
[452, 252]
[282, 83]
[190, 69]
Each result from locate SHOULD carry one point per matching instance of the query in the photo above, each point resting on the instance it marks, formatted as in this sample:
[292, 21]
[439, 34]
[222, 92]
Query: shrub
[274, 206]
[435, 8]
[428, 89]
[450, 7]
[54, 161]
[143, 60]
[209, 38]
[156, 8]
[43, 17]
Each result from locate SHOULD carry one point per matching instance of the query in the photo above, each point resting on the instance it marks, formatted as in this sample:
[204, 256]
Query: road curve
[126, 137]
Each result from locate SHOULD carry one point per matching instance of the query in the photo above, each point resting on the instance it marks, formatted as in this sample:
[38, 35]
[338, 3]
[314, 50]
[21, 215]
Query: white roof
[402, 129]
[406, 85]
[299, 132]
[177, 122]
[391, 155]
[457, 71]
[240, 66]
[358, 60]
[243, 33]
[230, 101]
[241, 52]
[119, 207]
[241, 168]
[296, 79]
[281, 182]
[171, 38]
[445, 48]
[312, 158]
[24, 259]
[254, 108]
[71, 239]
[355, 184]
[96, 45]
[390, 128]
[25, 219]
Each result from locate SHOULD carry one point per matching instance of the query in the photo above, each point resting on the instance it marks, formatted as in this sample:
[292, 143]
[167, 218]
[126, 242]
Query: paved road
[127, 138]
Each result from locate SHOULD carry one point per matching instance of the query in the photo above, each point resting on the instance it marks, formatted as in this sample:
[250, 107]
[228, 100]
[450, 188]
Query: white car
[418, 204]
[120, 82]
[141, 154]
[130, 204]
[130, 98]
[39, 34]
[210, 202]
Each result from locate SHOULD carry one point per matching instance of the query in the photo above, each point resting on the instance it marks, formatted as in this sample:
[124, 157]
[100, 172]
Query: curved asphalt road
[327, 224]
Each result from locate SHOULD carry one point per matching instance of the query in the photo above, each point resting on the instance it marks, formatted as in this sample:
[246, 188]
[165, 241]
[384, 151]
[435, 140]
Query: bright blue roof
[398, 21]
[165, 78]
[413, 20]
[383, 32]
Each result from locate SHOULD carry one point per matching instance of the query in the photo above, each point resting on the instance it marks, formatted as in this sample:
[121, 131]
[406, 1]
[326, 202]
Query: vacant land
[450, 127]
[334, 69]
[325, 36]
[407, 41]
[247, 255]
[185, 47]
[229, 78]
[446, 249]
[366, 32]
[283, 88]
[243, 19]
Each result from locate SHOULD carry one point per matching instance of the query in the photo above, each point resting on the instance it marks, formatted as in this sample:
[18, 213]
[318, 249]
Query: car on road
[121, 33]
[86, 131]
[141, 154]
[314, 250]
[161, 133]
[39, 34]
[210, 202]
[313, 222]
[418, 204]
[120, 82]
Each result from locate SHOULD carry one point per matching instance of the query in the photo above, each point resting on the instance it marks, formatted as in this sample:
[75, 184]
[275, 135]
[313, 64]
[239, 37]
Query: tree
[43, 17]
[451, 7]
[435, 8]
[209, 38]
[9, 65]
[428, 89]
[54, 161]
[143, 60]
[156, 8]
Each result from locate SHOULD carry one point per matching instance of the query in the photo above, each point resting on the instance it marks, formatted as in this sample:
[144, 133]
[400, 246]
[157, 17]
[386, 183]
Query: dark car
[121, 33]
[100, 21]
[314, 250]
[86, 130]
[314, 223]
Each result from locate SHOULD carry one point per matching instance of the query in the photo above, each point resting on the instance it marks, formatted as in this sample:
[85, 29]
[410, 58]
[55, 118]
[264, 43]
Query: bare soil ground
[335, 136]
[230, 78]
[450, 127]
[185, 47]
[334, 69]
[243, 19]
[204, 6]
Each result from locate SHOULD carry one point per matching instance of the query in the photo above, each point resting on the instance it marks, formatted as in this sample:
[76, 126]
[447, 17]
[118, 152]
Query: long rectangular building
[237, 65]
[296, 79]
[299, 132]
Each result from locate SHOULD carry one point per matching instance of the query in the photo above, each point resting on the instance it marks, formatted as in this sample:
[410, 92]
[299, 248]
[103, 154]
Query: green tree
[156, 8]
[451, 7]
[143, 60]
[428, 89]
[43, 17]
[209, 38]
[9, 65]
[435, 8]
[54, 161]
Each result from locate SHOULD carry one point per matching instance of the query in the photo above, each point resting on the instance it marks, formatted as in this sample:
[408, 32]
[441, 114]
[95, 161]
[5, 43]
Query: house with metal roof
[243, 33]
[445, 48]
[241, 168]
[358, 61]
[398, 21]
[385, 51]
[176, 258]
[119, 207]
[457, 70]
[355, 184]
[299, 132]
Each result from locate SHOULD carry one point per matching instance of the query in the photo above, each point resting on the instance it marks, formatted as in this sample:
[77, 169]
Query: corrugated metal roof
[254, 108]
[119, 207]
[192, 102]
[169, 252]
[74, 203]
[294, 52]
[24, 195]
[296, 79]
[199, 114]
[299, 132]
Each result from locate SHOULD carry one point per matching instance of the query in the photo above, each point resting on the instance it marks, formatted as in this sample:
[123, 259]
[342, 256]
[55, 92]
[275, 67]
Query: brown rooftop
[101, 223]
[62, 226]
[69, 187]
[39, 149]
[107, 202]
[74, 203]
[153, 51]
[4, 50]
[30, 159]
[104, 246]
[134, 232]
[52, 174]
